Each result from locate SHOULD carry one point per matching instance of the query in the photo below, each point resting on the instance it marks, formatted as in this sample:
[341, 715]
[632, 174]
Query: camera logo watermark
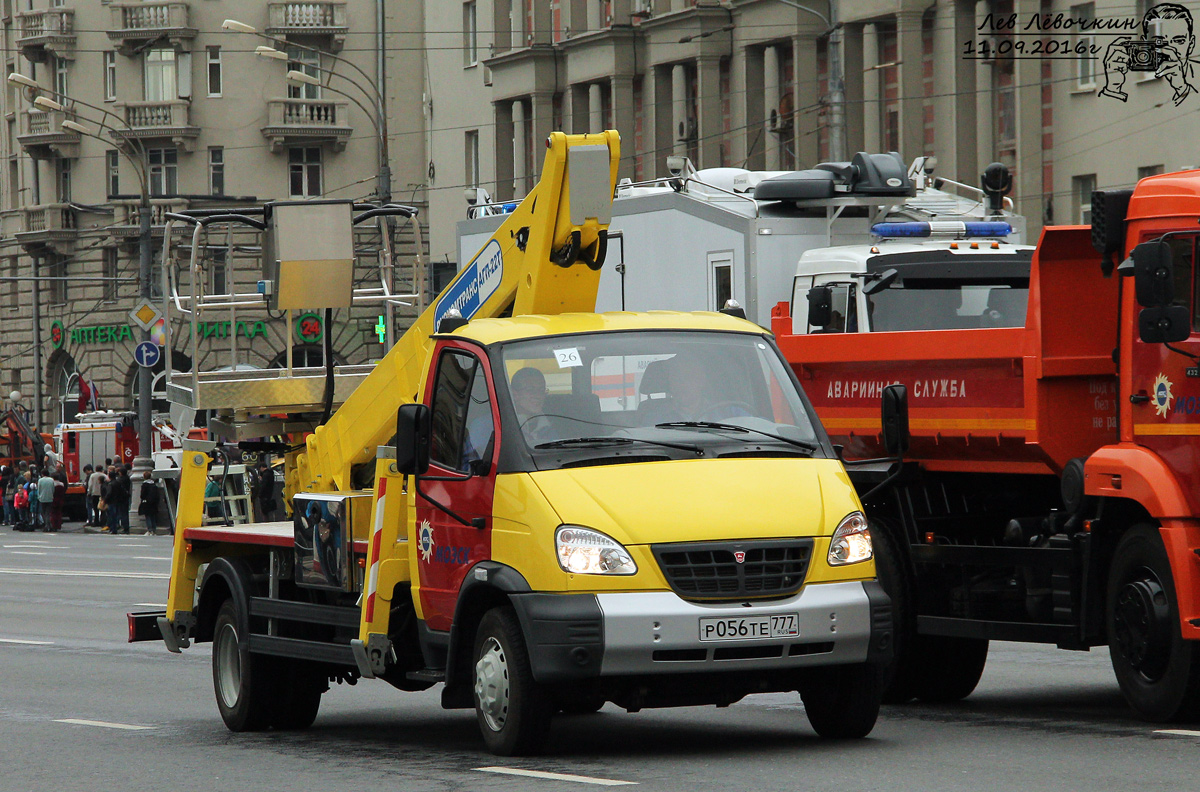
[1165, 49]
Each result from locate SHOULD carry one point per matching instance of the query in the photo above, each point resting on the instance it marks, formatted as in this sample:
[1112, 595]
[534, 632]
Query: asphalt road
[80, 709]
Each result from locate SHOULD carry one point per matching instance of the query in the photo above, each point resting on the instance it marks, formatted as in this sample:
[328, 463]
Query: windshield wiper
[586, 441]
[811, 447]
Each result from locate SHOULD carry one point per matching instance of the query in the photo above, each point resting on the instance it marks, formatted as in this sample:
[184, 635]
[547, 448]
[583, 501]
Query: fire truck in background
[94, 437]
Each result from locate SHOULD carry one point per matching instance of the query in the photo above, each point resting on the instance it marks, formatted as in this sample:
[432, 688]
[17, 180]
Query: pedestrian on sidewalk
[45, 498]
[119, 492]
[60, 498]
[32, 475]
[7, 490]
[266, 491]
[95, 491]
[148, 508]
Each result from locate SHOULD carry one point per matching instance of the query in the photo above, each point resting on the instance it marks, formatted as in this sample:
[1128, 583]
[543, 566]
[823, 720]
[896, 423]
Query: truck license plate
[749, 628]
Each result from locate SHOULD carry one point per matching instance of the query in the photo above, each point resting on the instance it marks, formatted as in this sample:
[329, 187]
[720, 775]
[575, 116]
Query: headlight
[583, 551]
[851, 542]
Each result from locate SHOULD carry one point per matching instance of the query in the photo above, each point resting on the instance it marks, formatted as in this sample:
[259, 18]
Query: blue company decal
[476, 283]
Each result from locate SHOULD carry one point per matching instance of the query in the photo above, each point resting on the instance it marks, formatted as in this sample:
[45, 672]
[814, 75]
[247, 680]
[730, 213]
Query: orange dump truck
[1051, 486]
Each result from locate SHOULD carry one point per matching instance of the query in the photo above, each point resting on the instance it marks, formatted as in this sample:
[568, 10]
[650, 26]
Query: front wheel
[842, 702]
[241, 684]
[513, 710]
[1158, 671]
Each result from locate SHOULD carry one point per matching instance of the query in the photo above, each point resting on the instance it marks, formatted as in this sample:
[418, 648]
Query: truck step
[427, 675]
[304, 612]
[319, 651]
[1031, 632]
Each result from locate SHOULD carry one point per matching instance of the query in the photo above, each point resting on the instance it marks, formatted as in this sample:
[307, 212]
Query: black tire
[241, 681]
[945, 669]
[298, 695]
[842, 702]
[1158, 671]
[896, 677]
[512, 709]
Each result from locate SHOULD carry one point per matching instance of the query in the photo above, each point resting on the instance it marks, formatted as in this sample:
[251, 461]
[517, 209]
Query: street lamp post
[142, 463]
[837, 80]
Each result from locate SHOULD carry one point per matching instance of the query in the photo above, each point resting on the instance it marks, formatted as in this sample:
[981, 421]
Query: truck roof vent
[797, 186]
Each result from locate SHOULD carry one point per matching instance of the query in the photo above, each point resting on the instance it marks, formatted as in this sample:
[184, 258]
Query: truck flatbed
[271, 534]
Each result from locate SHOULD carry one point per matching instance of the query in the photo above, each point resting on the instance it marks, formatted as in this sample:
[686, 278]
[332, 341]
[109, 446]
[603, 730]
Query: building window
[304, 170]
[162, 82]
[214, 70]
[111, 287]
[60, 75]
[472, 158]
[216, 170]
[110, 76]
[63, 177]
[308, 62]
[14, 296]
[1149, 170]
[1082, 188]
[56, 268]
[112, 163]
[164, 171]
[218, 274]
[470, 35]
[1085, 62]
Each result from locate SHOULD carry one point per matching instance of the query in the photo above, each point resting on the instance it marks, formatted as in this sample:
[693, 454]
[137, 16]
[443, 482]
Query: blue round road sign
[146, 354]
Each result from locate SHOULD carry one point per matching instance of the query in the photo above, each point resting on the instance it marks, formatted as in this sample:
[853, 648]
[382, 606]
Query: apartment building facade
[746, 83]
[161, 83]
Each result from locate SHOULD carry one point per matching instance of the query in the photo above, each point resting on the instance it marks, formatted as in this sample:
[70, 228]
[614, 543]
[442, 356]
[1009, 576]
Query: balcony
[157, 120]
[47, 31]
[306, 121]
[43, 136]
[126, 224]
[309, 19]
[48, 228]
[135, 24]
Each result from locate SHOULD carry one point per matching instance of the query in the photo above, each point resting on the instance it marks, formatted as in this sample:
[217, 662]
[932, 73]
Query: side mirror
[1153, 274]
[820, 306]
[885, 280]
[412, 439]
[895, 420]
[1164, 324]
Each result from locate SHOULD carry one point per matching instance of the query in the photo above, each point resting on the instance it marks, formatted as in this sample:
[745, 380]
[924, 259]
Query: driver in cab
[694, 395]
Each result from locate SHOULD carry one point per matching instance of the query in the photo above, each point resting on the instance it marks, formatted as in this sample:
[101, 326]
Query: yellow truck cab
[659, 507]
[541, 508]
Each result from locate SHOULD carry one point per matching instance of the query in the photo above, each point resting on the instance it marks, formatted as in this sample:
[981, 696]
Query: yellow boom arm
[545, 258]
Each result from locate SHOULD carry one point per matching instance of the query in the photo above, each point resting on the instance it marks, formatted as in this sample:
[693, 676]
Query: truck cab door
[461, 477]
[1165, 386]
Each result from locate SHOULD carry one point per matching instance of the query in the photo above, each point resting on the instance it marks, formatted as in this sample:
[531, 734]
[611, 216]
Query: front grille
[710, 570]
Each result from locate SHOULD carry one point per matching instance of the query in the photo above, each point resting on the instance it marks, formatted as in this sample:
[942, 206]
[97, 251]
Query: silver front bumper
[658, 632]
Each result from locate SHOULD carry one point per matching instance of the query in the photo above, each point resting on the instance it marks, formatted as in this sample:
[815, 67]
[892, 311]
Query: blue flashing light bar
[981, 228]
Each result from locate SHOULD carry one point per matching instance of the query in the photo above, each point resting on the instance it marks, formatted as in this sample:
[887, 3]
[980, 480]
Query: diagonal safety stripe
[376, 546]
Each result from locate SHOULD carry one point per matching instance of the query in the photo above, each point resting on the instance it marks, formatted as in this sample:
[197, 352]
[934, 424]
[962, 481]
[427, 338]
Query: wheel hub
[229, 666]
[1142, 626]
[491, 684]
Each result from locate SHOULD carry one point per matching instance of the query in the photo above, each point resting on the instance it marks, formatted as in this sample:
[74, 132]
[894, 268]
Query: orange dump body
[1000, 400]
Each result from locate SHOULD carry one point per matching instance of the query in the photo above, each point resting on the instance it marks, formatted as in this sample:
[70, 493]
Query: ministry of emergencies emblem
[425, 541]
[1162, 395]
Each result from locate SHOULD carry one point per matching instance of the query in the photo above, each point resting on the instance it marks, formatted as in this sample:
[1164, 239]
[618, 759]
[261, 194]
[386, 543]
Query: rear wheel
[842, 702]
[298, 695]
[513, 710]
[1158, 671]
[241, 682]
[945, 669]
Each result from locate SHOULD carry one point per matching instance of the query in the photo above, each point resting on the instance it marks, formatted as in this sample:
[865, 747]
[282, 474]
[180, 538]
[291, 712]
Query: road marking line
[26, 643]
[149, 605]
[34, 545]
[134, 545]
[85, 573]
[1178, 732]
[150, 558]
[27, 552]
[516, 771]
[103, 724]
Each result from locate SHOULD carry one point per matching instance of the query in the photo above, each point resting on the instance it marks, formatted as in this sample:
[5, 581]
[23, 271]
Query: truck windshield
[619, 388]
[949, 304]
